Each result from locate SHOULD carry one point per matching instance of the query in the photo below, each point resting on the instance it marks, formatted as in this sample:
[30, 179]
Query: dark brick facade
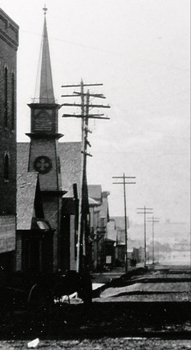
[8, 76]
[8, 61]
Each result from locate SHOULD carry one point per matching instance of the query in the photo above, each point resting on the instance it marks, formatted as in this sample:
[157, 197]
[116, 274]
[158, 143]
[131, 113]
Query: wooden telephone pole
[153, 220]
[145, 211]
[82, 246]
[124, 183]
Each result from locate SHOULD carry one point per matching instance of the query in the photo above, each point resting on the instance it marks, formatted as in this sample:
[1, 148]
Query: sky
[140, 51]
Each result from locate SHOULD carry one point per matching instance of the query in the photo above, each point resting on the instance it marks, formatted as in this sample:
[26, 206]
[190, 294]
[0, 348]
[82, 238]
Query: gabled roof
[26, 190]
[93, 202]
[120, 222]
[109, 240]
[22, 157]
[70, 161]
[104, 209]
[120, 242]
[95, 192]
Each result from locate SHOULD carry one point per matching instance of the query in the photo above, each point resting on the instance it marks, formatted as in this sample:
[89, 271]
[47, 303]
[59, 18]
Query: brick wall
[8, 61]
[8, 75]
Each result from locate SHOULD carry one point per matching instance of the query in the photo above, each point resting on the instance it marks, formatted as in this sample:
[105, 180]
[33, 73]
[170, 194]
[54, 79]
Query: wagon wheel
[37, 309]
[37, 300]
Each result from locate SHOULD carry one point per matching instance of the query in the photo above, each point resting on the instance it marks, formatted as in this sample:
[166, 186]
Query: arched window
[13, 101]
[6, 97]
[6, 166]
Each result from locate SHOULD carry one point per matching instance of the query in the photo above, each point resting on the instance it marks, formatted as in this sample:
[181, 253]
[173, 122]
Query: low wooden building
[109, 252]
[99, 217]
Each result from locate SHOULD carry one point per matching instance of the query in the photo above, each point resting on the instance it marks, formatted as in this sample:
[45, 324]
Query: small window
[6, 97]
[6, 167]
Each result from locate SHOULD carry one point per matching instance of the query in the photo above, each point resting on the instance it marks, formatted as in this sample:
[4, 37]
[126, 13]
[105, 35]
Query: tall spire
[46, 84]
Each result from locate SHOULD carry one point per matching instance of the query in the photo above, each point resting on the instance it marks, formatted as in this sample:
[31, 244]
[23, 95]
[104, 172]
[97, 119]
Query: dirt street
[104, 343]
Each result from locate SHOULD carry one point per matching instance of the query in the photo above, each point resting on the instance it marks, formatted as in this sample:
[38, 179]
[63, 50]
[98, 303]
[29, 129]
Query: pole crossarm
[83, 249]
[67, 96]
[144, 208]
[79, 85]
[125, 177]
[125, 210]
[91, 95]
[79, 105]
[126, 183]
[145, 212]
[90, 116]
[153, 220]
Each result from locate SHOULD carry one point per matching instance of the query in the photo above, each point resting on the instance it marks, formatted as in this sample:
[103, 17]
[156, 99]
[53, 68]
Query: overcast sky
[139, 50]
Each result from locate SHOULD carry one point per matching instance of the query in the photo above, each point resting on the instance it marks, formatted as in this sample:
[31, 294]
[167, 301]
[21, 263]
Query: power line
[124, 183]
[145, 211]
[153, 220]
[82, 248]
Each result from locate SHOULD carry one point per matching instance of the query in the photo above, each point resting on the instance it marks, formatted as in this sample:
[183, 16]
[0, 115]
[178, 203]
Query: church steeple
[46, 94]
[44, 109]
[43, 152]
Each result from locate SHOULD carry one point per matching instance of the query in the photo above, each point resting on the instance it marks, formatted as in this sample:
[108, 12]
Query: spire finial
[46, 83]
[45, 9]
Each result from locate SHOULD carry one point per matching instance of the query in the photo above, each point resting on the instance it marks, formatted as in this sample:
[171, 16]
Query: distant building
[120, 255]
[99, 217]
[9, 40]
[70, 161]
[109, 252]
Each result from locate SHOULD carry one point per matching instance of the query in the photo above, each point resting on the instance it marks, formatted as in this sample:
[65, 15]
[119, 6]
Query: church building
[43, 152]
[58, 165]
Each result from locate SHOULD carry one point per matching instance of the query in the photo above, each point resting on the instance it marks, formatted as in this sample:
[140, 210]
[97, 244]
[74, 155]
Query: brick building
[9, 32]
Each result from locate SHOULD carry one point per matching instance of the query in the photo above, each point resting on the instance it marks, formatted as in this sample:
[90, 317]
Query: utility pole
[124, 183]
[82, 246]
[145, 211]
[153, 220]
